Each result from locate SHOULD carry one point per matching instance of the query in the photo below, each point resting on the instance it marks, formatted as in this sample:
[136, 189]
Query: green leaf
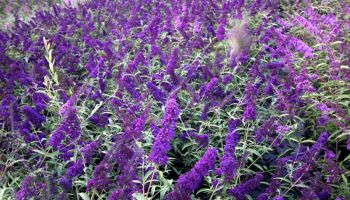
[186, 145]
[2, 192]
[285, 180]
[344, 96]
[145, 178]
[259, 166]
[253, 151]
[139, 196]
[205, 190]
[345, 180]
[337, 42]
[308, 141]
[301, 185]
[137, 181]
[346, 159]
[84, 196]
[343, 135]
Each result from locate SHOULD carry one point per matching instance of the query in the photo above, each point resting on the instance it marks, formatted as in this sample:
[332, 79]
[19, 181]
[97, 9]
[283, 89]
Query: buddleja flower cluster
[176, 99]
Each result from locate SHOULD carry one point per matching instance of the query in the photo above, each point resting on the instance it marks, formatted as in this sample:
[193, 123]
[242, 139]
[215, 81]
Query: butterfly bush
[178, 99]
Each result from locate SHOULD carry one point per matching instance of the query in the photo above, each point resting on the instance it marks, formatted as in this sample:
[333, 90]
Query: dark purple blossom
[249, 102]
[308, 194]
[228, 163]
[171, 112]
[100, 179]
[325, 193]
[210, 86]
[9, 112]
[323, 120]
[201, 139]
[228, 167]
[161, 146]
[118, 194]
[227, 79]
[65, 183]
[249, 112]
[100, 120]
[311, 28]
[89, 150]
[301, 47]
[320, 143]
[33, 116]
[263, 196]
[242, 189]
[75, 168]
[191, 180]
[232, 125]
[323, 108]
[129, 85]
[156, 92]
[204, 115]
[68, 128]
[331, 167]
[162, 142]
[220, 32]
[27, 190]
[172, 64]
[40, 100]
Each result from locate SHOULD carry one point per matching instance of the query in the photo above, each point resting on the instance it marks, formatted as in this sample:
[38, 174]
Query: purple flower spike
[249, 102]
[161, 143]
[27, 190]
[242, 189]
[228, 163]
[191, 180]
[320, 143]
[89, 150]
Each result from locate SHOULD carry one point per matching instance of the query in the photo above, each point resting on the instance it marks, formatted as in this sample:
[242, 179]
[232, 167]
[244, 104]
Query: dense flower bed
[178, 99]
